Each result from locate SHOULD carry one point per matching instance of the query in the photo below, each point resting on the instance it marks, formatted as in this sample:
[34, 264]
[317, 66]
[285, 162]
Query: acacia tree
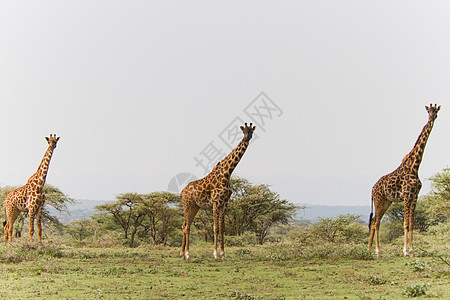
[437, 202]
[151, 214]
[79, 230]
[162, 216]
[256, 208]
[127, 212]
[332, 229]
[203, 223]
[276, 211]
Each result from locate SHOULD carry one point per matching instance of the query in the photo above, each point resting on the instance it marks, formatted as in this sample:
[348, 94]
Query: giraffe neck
[229, 163]
[414, 158]
[39, 177]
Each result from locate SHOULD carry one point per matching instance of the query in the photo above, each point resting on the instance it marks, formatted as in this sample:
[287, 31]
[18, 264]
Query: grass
[56, 271]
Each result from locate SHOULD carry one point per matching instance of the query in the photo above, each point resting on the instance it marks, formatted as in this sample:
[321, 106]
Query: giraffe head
[248, 131]
[432, 111]
[52, 140]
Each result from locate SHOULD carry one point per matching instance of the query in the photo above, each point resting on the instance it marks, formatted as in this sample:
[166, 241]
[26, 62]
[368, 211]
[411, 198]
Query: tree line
[157, 217]
[252, 214]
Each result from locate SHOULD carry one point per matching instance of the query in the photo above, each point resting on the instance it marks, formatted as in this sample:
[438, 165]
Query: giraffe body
[29, 197]
[401, 185]
[212, 192]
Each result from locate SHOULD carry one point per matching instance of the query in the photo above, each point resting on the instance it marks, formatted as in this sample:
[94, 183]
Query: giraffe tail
[371, 216]
[6, 217]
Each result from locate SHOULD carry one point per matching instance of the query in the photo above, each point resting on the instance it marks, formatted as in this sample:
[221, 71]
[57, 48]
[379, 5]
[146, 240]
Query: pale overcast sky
[138, 89]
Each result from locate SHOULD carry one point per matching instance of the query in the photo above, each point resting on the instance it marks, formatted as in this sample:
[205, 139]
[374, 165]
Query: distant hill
[83, 209]
[312, 212]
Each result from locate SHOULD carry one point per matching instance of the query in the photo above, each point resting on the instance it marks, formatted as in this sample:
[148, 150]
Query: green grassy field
[56, 271]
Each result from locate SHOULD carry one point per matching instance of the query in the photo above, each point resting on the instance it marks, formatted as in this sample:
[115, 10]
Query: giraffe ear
[47, 139]
[439, 107]
[242, 128]
[57, 139]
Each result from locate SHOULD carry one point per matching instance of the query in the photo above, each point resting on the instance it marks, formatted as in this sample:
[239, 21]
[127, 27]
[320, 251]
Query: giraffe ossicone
[401, 185]
[213, 192]
[29, 197]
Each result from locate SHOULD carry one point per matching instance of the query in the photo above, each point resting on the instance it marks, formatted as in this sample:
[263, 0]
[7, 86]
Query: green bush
[241, 252]
[245, 239]
[30, 252]
[242, 295]
[416, 290]
[360, 252]
[302, 235]
[319, 251]
[419, 266]
[390, 231]
[373, 280]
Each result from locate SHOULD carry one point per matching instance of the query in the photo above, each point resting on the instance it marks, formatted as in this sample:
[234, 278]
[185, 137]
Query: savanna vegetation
[130, 250]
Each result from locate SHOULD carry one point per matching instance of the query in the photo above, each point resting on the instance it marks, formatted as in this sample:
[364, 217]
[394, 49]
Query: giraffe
[29, 197]
[401, 185]
[213, 192]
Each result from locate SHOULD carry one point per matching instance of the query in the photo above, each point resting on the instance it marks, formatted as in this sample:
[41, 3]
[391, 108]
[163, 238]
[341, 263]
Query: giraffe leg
[372, 232]
[31, 214]
[39, 217]
[406, 227]
[410, 192]
[376, 200]
[221, 231]
[222, 222]
[38, 224]
[189, 214]
[11, 218]
[216, 228]
[411, 227]
[380, 210]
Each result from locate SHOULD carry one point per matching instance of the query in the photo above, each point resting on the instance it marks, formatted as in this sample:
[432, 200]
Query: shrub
[390, 231]
[360, 252]
[302, 235]
[241, 295]
[416, 290]
[242, 251]
[373, 280]
[110, 239]
[419, 266]
[241, 240]
[319, 251]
